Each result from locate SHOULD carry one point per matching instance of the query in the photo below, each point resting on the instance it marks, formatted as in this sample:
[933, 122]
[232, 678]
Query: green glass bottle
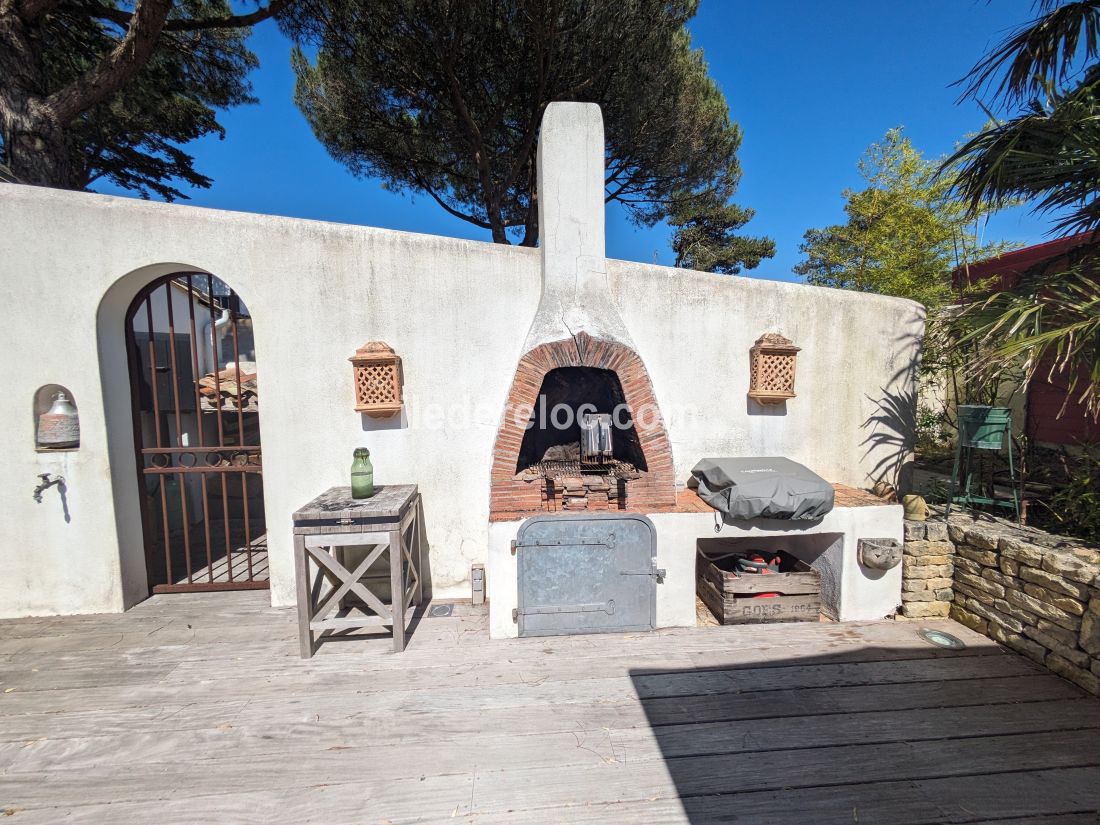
[362, 474]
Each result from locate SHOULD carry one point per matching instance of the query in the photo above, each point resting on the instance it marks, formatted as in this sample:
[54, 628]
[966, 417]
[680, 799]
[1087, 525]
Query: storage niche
[56, 419]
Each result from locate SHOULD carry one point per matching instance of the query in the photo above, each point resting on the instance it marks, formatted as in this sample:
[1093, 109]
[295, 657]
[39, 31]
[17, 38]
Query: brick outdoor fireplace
[587, 530]
[539, 468]
[579, 369]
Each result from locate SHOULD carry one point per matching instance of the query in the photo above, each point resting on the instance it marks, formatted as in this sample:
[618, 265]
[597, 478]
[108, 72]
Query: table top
[388, 501]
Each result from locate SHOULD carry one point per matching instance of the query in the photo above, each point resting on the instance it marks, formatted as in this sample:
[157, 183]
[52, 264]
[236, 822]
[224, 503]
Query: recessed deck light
[941, 639]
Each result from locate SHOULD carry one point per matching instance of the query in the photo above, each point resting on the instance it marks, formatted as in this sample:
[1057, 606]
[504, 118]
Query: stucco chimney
[575, 294]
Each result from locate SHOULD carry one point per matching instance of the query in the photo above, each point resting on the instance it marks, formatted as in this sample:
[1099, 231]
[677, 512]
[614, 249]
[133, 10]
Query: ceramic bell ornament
[60, 425]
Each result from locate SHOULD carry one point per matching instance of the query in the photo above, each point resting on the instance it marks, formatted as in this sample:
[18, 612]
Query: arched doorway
[193, 391]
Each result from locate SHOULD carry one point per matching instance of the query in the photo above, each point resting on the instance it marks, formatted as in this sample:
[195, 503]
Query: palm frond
[1049, 156]
[1040, 54]
[1049, 323]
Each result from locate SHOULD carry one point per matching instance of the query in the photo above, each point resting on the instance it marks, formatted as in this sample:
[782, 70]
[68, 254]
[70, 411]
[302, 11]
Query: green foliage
[1047, 154]
[1040, 54]
[931, 432]
[1076, 505]
[705, 237]
[445, 99]
[1049, 322]
[904, 234]
[134, 138]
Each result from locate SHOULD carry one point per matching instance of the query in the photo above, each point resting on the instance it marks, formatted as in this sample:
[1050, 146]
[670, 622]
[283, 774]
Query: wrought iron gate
[197, 435]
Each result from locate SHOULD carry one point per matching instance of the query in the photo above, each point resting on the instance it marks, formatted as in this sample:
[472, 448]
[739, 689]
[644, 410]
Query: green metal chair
[981, 428]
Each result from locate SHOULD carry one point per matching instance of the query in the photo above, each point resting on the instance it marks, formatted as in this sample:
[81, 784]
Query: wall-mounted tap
[48, 480]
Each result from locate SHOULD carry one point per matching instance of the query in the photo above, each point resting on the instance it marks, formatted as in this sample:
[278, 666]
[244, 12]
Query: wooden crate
[731, 597]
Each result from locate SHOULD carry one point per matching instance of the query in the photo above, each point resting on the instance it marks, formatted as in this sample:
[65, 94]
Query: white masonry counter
[849, 591]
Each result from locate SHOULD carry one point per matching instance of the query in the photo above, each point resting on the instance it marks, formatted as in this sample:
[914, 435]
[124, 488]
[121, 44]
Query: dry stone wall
[1036, 593]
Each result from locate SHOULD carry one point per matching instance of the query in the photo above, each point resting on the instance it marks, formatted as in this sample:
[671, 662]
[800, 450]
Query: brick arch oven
[539, 466]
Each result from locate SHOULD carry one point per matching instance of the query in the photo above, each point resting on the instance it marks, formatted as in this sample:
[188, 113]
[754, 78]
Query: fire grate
[558, 469]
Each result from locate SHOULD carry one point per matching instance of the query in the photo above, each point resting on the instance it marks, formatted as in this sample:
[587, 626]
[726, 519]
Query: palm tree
[1046, 154]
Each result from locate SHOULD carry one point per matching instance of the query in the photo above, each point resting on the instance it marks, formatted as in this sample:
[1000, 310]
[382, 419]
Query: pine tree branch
[423, 184]
[29, 10]
[235, 21]
[109, 75]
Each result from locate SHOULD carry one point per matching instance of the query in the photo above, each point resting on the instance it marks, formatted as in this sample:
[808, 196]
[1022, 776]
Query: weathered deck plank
[197, 709]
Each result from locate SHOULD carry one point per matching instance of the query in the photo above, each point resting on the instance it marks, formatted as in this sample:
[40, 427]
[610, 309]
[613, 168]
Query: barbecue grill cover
[744, 488]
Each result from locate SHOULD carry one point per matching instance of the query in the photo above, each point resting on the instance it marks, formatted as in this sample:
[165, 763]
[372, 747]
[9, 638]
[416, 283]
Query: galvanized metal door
[583, 573]
[197, 436]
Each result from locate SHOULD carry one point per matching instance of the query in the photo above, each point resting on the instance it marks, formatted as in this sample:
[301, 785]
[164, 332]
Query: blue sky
[811, 82]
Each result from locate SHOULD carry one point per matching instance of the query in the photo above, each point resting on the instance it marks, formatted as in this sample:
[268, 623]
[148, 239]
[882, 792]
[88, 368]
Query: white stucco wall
[456, 311]
[854, 375]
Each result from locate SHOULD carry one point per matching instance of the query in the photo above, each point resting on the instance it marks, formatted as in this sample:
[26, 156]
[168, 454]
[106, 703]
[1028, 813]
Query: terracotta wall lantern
[377, 380]
[772, 369]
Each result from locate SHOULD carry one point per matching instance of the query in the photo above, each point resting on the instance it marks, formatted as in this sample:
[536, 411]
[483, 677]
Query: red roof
[1012, 264]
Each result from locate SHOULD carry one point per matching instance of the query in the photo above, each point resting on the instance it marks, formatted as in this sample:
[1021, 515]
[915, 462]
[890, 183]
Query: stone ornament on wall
[879, 554]
[378, 379]
[772, 367]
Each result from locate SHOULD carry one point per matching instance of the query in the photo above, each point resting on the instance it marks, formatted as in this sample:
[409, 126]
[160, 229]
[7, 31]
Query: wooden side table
[387, 524]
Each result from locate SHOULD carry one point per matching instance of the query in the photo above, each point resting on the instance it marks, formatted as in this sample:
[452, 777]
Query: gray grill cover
[744, 488]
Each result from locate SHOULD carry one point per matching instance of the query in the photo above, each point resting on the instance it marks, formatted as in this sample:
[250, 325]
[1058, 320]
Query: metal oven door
[586, 573]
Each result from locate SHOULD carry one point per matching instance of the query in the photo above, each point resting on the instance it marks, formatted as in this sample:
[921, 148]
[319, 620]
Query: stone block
[1066, 603]
[1043, 610]
[908, 596]
[918, 549]
[936, 531]
[1095, 667]
[1066, 637]
[1022, 615]
[1088, 555]
[914, 585]
[1070, 567]
[994, 616]
[1021, 551]
[930, 571]
[978, 583]
[1079, 676]
[983, 538]
[957, 533]
[1089, 637]
[939, 583]
[923, 561]
[1010, 567]
[1072, 654]
[997, 577]
[944, 595]
[1021, 644]
[914, 531]
[972, 593]
[925, 610]
[986, 558]
[971, 620]
[968, 566]
[1054, 583]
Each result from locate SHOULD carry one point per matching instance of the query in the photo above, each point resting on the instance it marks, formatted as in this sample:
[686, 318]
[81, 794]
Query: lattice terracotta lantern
[377, 380]
[772, 370]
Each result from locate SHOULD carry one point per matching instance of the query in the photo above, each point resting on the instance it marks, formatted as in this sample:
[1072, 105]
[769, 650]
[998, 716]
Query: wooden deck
[197, 709]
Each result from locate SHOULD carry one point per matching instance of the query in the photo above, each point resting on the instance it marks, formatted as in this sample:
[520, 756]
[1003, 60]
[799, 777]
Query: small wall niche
[55, 419]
